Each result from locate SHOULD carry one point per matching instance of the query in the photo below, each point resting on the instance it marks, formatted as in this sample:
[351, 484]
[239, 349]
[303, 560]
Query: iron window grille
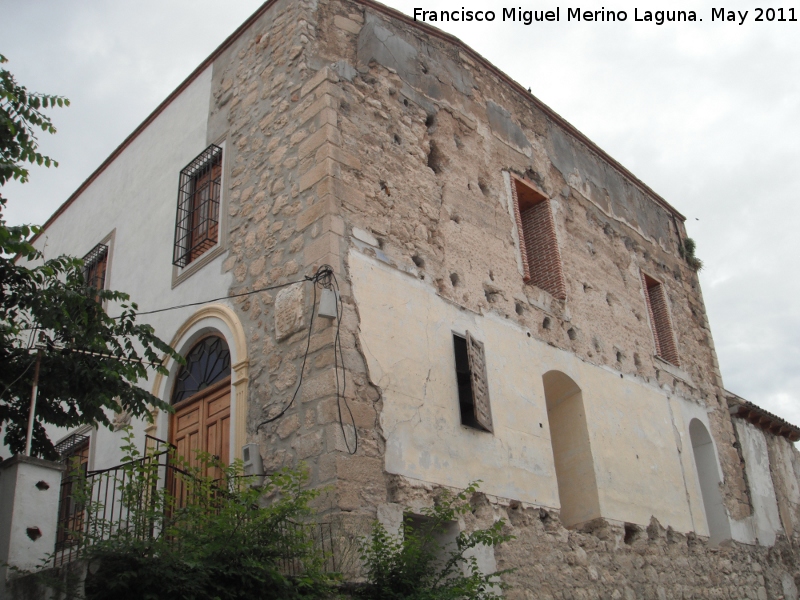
[94, 267]
[197, 222]
[67, 447]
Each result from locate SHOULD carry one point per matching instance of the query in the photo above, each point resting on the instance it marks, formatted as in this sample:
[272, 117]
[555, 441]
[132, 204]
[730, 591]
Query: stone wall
[350, 127]
[281, 119]
[434, 128]
[605, 561]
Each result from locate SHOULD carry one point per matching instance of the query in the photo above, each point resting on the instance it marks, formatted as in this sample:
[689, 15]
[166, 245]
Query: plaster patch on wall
[765, 521]
[406, 330]
[504, 127]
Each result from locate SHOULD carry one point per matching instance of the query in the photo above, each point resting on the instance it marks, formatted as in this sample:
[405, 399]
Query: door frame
[220, 320]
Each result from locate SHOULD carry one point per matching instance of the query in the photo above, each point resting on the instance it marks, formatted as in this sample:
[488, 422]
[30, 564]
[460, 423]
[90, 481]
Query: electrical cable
[326, 279]
[258, 291]
[322, 271]
[21, 375]
[337, 343]
[139, 361]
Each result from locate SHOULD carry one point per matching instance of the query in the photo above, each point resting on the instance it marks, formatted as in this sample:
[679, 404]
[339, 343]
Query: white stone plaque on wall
[289, 311]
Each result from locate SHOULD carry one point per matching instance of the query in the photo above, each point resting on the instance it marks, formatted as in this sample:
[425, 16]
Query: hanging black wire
[338, 357]
[321, 272]
[326, 279]
[33, 361]
[258, 291]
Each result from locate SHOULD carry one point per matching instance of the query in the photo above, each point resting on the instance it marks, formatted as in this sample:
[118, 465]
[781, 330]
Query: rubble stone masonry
[348, 126]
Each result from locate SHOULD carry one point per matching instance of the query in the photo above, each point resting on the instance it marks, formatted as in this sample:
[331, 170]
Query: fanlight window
[207, 363]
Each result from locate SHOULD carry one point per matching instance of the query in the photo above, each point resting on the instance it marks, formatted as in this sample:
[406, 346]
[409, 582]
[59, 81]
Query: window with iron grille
[74, 453]
[473, 387]
[197, 222]
[660, 321]
[94, 267]
[538, 246]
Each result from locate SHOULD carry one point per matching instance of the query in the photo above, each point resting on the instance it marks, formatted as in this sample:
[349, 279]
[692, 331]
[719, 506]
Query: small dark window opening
[473, 395]
[465, 402]
[94, 267]
[197, 222]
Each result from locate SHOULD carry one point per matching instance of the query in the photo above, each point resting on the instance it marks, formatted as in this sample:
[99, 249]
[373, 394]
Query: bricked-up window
[197, 223]
[660, 320]
[94, 267]
[473, 389]
[538, 246]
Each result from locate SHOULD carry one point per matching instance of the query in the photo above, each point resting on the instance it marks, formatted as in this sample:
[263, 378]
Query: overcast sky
[705, 113]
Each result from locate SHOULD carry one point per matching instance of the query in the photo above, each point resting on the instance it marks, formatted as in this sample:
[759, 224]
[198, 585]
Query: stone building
[515, 307]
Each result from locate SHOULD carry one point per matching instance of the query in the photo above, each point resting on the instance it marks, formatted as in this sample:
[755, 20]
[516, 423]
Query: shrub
[418, 564]
[213, 538]
[687, 252]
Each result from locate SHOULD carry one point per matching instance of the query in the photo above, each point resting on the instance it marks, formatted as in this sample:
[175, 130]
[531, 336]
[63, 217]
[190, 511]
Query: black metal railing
[139, 498]
[93, 504]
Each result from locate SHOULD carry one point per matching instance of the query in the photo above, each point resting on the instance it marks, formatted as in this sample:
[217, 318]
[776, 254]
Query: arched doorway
[705, 461]
[572, 453]
[201, 397]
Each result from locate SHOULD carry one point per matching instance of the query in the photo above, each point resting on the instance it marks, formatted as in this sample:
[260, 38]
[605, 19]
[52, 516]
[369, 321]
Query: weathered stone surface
[407, 152]
[289, 311]
[346, 24]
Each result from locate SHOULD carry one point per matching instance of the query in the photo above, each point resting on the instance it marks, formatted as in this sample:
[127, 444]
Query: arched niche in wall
[214, 320]
[705, 460]
[572, 452]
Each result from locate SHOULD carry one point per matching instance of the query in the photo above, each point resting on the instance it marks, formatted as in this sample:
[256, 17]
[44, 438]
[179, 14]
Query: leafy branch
[21, 117]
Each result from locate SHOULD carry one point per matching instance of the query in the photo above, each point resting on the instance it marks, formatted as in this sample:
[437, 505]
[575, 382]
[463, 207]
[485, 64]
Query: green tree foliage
[91, 362]
[419, 563]
[213, 539]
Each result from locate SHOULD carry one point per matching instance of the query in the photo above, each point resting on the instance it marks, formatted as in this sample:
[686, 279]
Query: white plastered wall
[406, 334]
[136, 197]
[683, 412]
[764, 524]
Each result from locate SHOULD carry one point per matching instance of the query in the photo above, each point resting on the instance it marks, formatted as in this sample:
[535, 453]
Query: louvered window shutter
[480, 386]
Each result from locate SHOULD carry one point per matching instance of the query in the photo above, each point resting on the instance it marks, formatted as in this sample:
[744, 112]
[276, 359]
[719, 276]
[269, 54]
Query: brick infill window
[660, 321]
[538, 246]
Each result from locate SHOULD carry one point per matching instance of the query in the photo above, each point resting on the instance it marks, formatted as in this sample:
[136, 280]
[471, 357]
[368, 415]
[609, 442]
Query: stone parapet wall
[613, 560]
[606, 560]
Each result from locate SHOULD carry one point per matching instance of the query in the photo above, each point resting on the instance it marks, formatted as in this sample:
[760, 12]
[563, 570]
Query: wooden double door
[202, 423]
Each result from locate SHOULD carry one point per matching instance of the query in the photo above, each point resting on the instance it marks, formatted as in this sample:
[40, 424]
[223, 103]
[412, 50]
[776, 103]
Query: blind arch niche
[572, 453]
[705, 460]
